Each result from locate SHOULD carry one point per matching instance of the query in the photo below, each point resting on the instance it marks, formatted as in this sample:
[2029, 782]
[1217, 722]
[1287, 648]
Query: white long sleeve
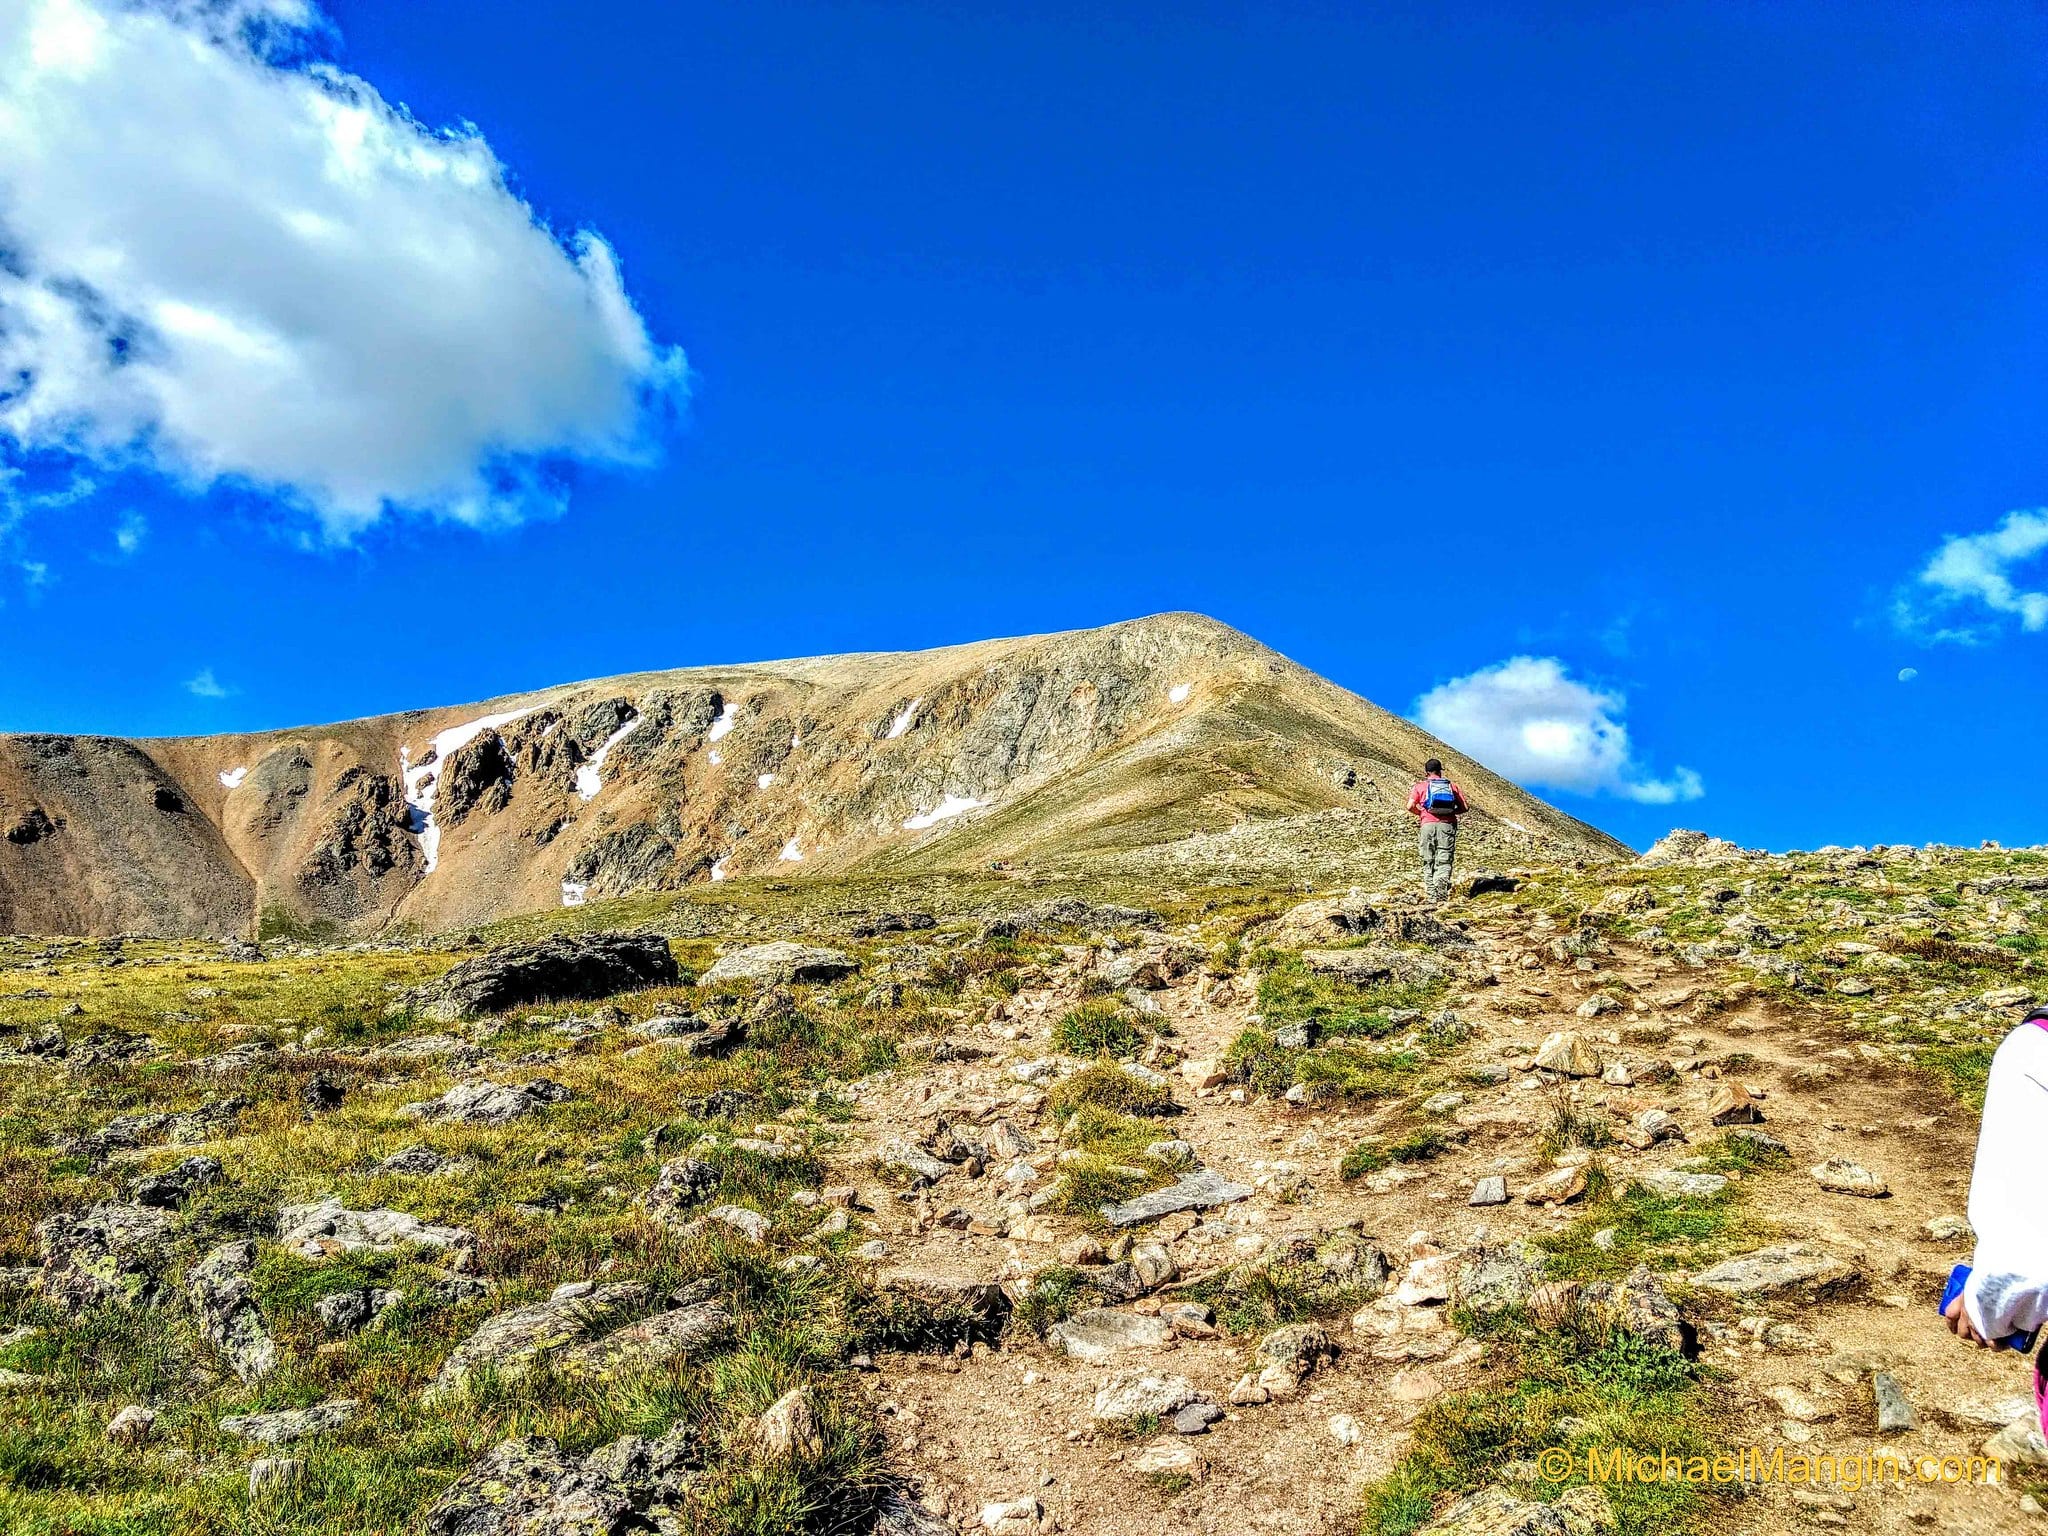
[2008, 1289]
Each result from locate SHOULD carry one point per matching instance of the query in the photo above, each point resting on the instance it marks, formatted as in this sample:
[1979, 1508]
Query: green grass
[1372, 1155]
[1649, 1229]
[1569, 1383]
[1289, 992]
[1097, 1029]
[1105, 1086]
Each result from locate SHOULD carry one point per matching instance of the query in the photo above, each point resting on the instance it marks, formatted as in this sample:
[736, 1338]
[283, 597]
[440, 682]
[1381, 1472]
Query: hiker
[2007, 1291]
[1437, 803]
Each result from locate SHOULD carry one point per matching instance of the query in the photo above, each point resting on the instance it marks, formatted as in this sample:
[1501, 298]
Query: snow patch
[716, 757]
[904, 721]
[1516, 825]
[722, 726]
[951, 806]
[718, 867]
[590, 777]
[765, 780]
[422, 781]
[232, 779]
[573, 892]
[796, 740]
[791, 853]
[1178, 693]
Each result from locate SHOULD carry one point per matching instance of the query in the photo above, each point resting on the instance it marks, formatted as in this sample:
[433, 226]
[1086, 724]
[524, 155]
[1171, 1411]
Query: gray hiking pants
[1439, 845]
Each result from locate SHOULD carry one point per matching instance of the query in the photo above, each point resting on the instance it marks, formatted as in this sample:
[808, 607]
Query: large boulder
[1339, 919]
[326, 1228]
[529, 1487]
[1067, 912]
[113, 1254]
[223, 1297]
[1496, 1512]
[1146, 1394]
[1370, 964]
[511, 1344]
[648, 1345]
[1197, 1191]
[1099, 1334]
[1792, 1268]
[781, 962]
[560, 968]
[487, 1103]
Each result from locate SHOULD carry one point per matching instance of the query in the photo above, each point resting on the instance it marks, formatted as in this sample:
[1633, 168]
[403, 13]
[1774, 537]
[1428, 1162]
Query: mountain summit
[1167, 741]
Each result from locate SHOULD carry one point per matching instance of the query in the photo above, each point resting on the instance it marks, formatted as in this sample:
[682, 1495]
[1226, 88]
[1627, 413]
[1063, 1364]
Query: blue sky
[1635, 391]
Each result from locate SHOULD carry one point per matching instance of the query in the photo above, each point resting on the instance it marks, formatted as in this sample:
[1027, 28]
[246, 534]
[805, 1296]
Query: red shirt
[1415, 804]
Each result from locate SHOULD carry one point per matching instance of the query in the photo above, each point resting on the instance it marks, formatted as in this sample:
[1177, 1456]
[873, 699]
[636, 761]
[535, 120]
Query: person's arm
[1460, 796]
[1415, 802]
[2008, 1287]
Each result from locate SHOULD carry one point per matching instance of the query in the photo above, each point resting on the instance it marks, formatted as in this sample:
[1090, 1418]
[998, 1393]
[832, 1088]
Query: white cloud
[1529, 720]
[205, 686]
[1976, 570]
[232, 265]
[130, 532]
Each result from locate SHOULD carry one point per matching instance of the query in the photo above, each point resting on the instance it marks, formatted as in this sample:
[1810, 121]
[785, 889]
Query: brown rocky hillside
[1170, 742]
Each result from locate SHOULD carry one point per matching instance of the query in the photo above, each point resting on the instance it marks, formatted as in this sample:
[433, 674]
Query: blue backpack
[1439, 797]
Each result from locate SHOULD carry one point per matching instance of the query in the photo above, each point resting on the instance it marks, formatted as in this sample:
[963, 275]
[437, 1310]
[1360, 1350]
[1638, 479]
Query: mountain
[1168, 741]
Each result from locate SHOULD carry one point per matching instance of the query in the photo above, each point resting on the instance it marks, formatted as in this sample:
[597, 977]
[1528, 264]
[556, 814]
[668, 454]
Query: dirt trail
[1000, 1425]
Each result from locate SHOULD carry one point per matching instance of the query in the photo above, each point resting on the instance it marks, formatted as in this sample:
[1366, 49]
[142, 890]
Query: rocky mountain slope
[1244, 1212]
[1164, 743]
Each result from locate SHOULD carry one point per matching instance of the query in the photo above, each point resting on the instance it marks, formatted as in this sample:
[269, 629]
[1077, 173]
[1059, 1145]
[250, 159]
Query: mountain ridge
[1067, 749]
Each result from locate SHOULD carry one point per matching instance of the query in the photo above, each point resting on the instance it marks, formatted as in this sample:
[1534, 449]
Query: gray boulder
[1793, 1268]
[486, 1103]
[528, 1487]
[286, 1425]
[113, 1254]
[781, 962]
[224, 1301]
[561, 968]
[511, 1344]
[326, 1227]
[684, 1183]
[1099, 1335]
[1197, 1191]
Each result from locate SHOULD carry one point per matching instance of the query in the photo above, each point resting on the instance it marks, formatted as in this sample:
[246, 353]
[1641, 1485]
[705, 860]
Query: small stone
[789, 1431]
[1196, 1418]
[1671, 1184]
[1570, 1053]
[1793, 1403]
[1733, 1104]
[1169, 1459]
[1491, 1190]
[1414, 1386]
[1012, 1517]
[132, 1426]
[1946, 1229]
[1841, 1177]
[272, 1476]
[1558, 1188]
[1895, 1413]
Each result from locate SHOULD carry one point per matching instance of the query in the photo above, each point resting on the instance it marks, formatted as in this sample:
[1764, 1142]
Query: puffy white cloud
[206, 686]
[1528, 719]
[225, 259]
[1976, 571]
[130, 532]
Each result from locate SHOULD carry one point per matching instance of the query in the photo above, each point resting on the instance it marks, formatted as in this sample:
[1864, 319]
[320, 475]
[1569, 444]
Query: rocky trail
[1262, 1211]
[1015, 1429]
